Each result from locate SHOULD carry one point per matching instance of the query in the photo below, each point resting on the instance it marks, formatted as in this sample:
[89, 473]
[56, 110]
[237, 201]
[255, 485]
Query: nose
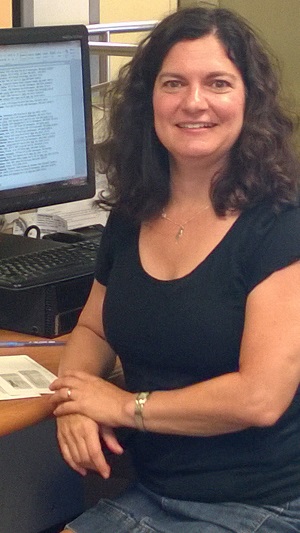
[195, 98]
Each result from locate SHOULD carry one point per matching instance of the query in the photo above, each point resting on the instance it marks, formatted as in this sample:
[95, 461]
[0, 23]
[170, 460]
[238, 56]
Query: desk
[19, 414]
[37, 489]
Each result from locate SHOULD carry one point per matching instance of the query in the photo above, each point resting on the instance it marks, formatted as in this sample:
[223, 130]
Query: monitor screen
[46, 147]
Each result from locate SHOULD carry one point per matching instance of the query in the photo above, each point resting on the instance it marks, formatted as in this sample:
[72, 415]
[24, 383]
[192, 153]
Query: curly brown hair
[263, 165]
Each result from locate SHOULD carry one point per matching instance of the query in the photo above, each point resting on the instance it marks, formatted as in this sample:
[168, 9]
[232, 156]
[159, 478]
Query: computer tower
[48, 310]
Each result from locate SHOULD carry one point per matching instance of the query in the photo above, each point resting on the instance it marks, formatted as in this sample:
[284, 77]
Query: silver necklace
[183, 225]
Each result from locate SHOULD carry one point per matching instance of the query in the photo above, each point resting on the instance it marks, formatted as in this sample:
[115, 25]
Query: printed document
[22, 377]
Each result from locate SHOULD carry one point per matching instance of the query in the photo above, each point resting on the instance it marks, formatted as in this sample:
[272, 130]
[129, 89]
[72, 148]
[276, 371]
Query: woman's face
[198, 102]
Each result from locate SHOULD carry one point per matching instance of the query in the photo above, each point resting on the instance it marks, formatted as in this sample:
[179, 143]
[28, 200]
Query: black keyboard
[65, 262]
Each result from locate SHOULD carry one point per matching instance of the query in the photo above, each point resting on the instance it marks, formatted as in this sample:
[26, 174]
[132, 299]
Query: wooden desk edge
[18, 414]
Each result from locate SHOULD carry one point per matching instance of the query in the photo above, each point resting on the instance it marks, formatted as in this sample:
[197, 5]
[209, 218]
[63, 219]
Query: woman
[197, 290]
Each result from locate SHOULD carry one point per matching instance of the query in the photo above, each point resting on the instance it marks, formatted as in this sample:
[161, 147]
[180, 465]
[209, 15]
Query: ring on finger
[69, 392]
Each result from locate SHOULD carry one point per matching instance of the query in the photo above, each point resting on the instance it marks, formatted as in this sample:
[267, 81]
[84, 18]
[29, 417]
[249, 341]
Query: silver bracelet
[140, 400]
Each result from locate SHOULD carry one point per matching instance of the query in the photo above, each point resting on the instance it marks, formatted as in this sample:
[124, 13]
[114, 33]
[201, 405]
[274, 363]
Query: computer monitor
[46, 140]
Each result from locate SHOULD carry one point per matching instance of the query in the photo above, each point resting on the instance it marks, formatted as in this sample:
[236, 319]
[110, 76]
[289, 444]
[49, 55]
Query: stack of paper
[22, 377]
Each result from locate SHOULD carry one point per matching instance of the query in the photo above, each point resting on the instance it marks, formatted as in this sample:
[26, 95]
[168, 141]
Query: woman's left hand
[94, 397]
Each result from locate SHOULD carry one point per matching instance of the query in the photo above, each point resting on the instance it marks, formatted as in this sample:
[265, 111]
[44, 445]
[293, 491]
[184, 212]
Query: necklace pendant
[179, 233]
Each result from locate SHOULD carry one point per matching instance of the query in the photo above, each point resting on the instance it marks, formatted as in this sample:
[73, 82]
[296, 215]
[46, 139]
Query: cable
[35, 228]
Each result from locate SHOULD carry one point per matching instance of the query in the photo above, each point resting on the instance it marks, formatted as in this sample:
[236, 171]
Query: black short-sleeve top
[170, 334]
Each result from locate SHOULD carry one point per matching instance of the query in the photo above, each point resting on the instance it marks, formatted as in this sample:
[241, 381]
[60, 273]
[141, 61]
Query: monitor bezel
[40, 196]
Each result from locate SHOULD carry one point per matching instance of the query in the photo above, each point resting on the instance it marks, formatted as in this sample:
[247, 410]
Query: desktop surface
[39, 489]
[18, 414]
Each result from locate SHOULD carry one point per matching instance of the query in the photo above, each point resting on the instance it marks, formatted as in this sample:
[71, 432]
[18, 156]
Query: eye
[172, 84]
[221, 84]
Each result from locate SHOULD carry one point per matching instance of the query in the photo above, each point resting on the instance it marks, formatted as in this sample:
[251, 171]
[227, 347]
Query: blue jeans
[139, 510]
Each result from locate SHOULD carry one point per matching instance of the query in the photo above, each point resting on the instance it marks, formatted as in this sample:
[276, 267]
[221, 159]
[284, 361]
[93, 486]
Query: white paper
[22, 377]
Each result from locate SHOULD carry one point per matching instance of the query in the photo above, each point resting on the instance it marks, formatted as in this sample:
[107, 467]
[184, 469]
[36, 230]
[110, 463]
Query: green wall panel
[279, 23]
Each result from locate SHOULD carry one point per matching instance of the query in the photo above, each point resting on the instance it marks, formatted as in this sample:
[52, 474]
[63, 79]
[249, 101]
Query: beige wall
[132, 10]
[60, 12]
[121, 11]
[5, 14]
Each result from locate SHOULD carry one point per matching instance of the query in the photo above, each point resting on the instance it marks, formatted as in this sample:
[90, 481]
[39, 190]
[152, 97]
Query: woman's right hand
[79, 438]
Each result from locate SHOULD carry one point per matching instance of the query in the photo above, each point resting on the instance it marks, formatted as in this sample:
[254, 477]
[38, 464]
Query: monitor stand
[14, 245]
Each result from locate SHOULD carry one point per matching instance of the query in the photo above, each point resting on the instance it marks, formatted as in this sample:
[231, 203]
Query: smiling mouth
[196, 125]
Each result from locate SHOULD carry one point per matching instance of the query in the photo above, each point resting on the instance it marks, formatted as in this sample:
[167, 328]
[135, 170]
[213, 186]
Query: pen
[17, 344]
